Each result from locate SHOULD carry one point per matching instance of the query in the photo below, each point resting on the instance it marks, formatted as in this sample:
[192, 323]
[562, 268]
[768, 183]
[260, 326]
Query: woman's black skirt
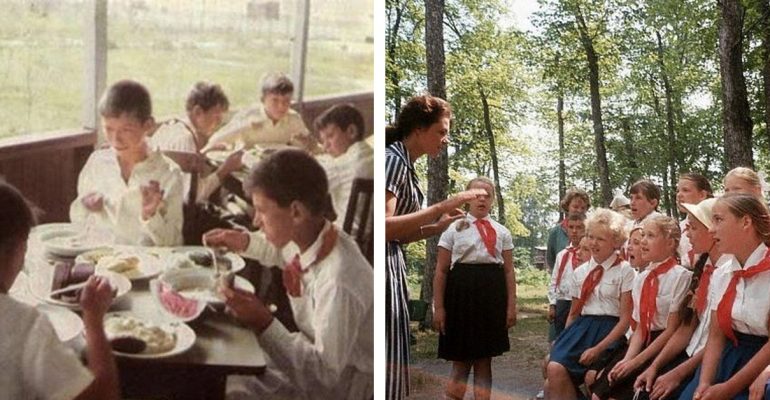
[475, 301]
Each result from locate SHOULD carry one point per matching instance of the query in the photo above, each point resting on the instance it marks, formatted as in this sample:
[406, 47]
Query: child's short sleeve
[52, 370]
[627, 277]
[447, 239]
[681, 287]
[395, 174]
[507, 239]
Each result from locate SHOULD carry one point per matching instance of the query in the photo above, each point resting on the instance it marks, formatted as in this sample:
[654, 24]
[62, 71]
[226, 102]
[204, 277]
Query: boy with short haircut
[271, 122]
[645, 198]
[127, 191]
[341, 132]
[35, 364]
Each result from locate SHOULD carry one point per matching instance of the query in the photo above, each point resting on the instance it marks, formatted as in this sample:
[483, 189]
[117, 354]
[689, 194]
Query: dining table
[222, 346]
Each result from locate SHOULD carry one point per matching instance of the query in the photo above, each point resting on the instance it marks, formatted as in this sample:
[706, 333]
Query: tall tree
[736, 118]
[438, 176]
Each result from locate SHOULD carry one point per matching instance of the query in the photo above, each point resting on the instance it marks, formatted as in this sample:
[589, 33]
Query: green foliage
[532, 277]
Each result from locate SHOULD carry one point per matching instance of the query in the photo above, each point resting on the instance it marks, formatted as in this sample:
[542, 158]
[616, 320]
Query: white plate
[149, 266]
[66, 323]
[201, 281]
[185, 337]
[42, 291]
[65, 240]
[237, 262]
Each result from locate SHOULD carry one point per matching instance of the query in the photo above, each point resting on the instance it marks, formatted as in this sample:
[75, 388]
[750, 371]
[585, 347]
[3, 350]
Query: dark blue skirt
[732, 360]
[560, 319]
[584, 333]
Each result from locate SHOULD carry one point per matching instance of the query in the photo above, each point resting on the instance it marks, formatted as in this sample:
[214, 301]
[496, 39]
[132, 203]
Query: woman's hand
[757, 388]
[589, 356]
[152, 199]
[233, 240]
[439, 320]
[463, 197]
[93, 202]
[447, 218]
[233, 162]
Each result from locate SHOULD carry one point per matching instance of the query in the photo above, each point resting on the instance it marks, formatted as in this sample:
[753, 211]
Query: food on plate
[125, 264]
[66, 274]
[94, 256]
[176, 304]
[128, 344]
[202, 258]
[156, 339]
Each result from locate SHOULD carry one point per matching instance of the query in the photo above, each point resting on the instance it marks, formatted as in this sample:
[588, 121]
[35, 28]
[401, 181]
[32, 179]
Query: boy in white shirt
[35, 364]
[559, 293]
[127, 190]
[271, 122]
[341, 131]
[328, 281]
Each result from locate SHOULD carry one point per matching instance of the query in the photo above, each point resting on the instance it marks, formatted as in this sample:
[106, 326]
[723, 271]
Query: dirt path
[516, 375]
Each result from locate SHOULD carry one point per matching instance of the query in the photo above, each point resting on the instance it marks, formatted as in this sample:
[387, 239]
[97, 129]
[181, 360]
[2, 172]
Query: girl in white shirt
[34, 363]
[743, 180]
[692, 188]
[474, 294]
[657, 293]
[676, 363]
[127, 190]
[736, 350]
[601, 307]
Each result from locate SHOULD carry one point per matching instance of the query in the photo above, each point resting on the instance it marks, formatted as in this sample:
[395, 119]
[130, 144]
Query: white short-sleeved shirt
[564, 290]
[684, 247]
[356, 162]
[122, 212]
[672, 288]
[605, 298]
[34, 363]
[752, 303]
[252, 126]
[467, 246]
[701, 333]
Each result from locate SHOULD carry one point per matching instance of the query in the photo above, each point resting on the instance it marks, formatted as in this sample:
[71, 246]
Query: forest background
[594, 94]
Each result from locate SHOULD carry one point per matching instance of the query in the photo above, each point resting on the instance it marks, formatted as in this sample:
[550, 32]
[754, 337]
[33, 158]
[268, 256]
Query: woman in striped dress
[422, 128]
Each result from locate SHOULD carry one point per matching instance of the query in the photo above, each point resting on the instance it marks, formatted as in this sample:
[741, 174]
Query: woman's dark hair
[293, 175]
[647, 188]
[126, 97]
[16, 216]
[206, 95]
[572, 194]
[700, 181]
[418, 112]
[685, 311]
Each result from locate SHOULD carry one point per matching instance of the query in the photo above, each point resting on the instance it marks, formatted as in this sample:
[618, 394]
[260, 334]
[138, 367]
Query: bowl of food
[134, 337]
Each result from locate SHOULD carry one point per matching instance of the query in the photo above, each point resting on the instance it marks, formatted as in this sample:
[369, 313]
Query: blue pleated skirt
[584, 333]
[732, 360]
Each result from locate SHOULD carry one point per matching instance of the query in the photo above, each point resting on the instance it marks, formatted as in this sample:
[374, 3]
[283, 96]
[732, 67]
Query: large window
[41, 66]
[170, 44]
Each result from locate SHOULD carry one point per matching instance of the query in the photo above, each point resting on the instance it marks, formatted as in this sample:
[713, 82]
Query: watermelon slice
[174, 303]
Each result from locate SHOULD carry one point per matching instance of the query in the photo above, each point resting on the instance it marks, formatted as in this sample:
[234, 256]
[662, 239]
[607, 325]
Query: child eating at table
[129, 190]
[271, 123]
[35, 364]
[341, 130]
[328, 281]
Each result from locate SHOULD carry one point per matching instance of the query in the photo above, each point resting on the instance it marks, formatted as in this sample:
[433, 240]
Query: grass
[168, 45]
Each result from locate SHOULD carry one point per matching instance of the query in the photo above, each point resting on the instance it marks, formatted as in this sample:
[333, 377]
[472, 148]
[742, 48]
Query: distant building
[539, 257]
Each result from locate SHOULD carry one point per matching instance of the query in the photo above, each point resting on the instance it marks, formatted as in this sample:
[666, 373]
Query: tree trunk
[630, 150]
[392, 47]
[735, 103]
[493, 155]
[670, 131]
[596, 109]
[764, 7]
[562, 155]
[438, 176]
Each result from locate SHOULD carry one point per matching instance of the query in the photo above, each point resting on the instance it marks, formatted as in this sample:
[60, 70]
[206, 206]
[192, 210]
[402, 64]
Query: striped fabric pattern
[401, 180]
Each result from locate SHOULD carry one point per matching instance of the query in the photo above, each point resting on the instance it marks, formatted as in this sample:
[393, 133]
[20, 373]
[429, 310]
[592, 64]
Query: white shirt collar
[311, 253]
[730, 263]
